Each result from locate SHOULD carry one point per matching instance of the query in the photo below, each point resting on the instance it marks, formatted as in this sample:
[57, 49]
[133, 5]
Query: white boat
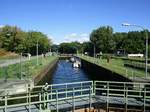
[72, 59]
[77, 64]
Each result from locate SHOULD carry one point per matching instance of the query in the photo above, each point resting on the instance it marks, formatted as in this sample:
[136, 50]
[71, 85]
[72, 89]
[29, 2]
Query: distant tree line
[105, 40]
[16, 40]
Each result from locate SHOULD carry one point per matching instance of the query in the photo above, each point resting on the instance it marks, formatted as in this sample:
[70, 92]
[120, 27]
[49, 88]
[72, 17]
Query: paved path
[5, 63]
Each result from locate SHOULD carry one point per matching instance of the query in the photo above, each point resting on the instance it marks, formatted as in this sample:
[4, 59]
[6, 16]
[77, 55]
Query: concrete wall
[46, 74]
[99, 73]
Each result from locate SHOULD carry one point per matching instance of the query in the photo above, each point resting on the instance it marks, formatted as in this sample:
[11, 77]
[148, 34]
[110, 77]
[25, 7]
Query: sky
[74, 20]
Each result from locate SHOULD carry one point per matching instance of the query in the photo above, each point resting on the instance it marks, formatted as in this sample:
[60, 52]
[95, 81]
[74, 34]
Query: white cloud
[72, 35]
[77, 37]
[1, 26]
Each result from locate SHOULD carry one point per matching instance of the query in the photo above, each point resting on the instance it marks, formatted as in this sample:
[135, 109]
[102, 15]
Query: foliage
[72, 47]
[14, 39]
[102, 38]
[108, 42]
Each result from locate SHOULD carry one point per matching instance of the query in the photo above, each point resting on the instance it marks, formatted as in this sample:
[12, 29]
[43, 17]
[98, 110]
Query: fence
[130, 95]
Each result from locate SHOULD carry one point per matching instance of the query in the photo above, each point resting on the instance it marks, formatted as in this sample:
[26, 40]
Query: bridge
[125, 96]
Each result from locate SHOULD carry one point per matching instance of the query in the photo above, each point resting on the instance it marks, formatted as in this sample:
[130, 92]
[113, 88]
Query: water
[65, 73]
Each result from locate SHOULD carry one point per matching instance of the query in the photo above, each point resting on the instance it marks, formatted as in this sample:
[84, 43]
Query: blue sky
[70, 20]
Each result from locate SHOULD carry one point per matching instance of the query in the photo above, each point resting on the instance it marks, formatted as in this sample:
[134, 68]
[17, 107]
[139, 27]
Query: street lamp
[146, 45]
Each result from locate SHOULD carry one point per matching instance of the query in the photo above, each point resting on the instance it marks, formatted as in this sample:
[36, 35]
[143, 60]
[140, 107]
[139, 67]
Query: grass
[117, 66]
[26, 69]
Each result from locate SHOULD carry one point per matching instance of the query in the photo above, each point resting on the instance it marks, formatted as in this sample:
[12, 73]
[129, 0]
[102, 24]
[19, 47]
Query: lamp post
[146, 45]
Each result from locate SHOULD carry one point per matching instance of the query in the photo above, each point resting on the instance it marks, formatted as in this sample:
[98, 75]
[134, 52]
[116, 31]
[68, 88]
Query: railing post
[57, 110]
[47, 103]
[126, 100]
[66, 90]
[44, 99]
[124, 88]
[29, 99]
[92, 88]
[81, 88]
[107, 97]
[90, 99]
[144, 99]
[40, 106]
[51, 92]
[5, 100]
[93, 85]
[73, 100]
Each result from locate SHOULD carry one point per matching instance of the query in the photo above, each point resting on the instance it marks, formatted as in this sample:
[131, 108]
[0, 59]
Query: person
[44, 93]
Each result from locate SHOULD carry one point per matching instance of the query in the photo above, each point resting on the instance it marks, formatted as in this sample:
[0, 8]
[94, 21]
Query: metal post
[107, 97]
[124, 90]
[44, 99]
[144, 99]
[146, 45]
[37, 61]
[81, 89]
[66, 90]
[90, 100]
[51, 92]
[47, 103]
[73, 100]
[29, 100]
[21, 66]
[94, 88]
[40, 102]
[126, 100]
[5, 100]
[57, 110]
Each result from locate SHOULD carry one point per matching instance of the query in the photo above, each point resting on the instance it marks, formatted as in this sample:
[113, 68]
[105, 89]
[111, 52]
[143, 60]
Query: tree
[134, 42]
[87, 47]
[72, 47]
[14, 39]
[102, 38]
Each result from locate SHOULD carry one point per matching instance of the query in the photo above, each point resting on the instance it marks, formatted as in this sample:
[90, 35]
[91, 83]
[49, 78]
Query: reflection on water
[65, 73]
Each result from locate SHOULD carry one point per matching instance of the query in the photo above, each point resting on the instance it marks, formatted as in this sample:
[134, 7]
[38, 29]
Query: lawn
[25, 70]
[117, 66]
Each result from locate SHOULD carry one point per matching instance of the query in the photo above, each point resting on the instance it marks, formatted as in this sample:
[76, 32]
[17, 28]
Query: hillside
[4, 53]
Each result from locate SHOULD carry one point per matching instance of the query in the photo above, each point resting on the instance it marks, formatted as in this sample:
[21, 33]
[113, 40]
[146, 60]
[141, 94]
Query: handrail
[108, 89]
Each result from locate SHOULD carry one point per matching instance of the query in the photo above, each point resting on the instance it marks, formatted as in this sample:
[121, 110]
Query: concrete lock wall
[46, 74]
[99, 73]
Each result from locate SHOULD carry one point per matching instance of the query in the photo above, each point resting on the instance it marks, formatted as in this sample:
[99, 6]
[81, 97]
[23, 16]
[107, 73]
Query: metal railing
[129, 92]
[39, 96]
[132, 96]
